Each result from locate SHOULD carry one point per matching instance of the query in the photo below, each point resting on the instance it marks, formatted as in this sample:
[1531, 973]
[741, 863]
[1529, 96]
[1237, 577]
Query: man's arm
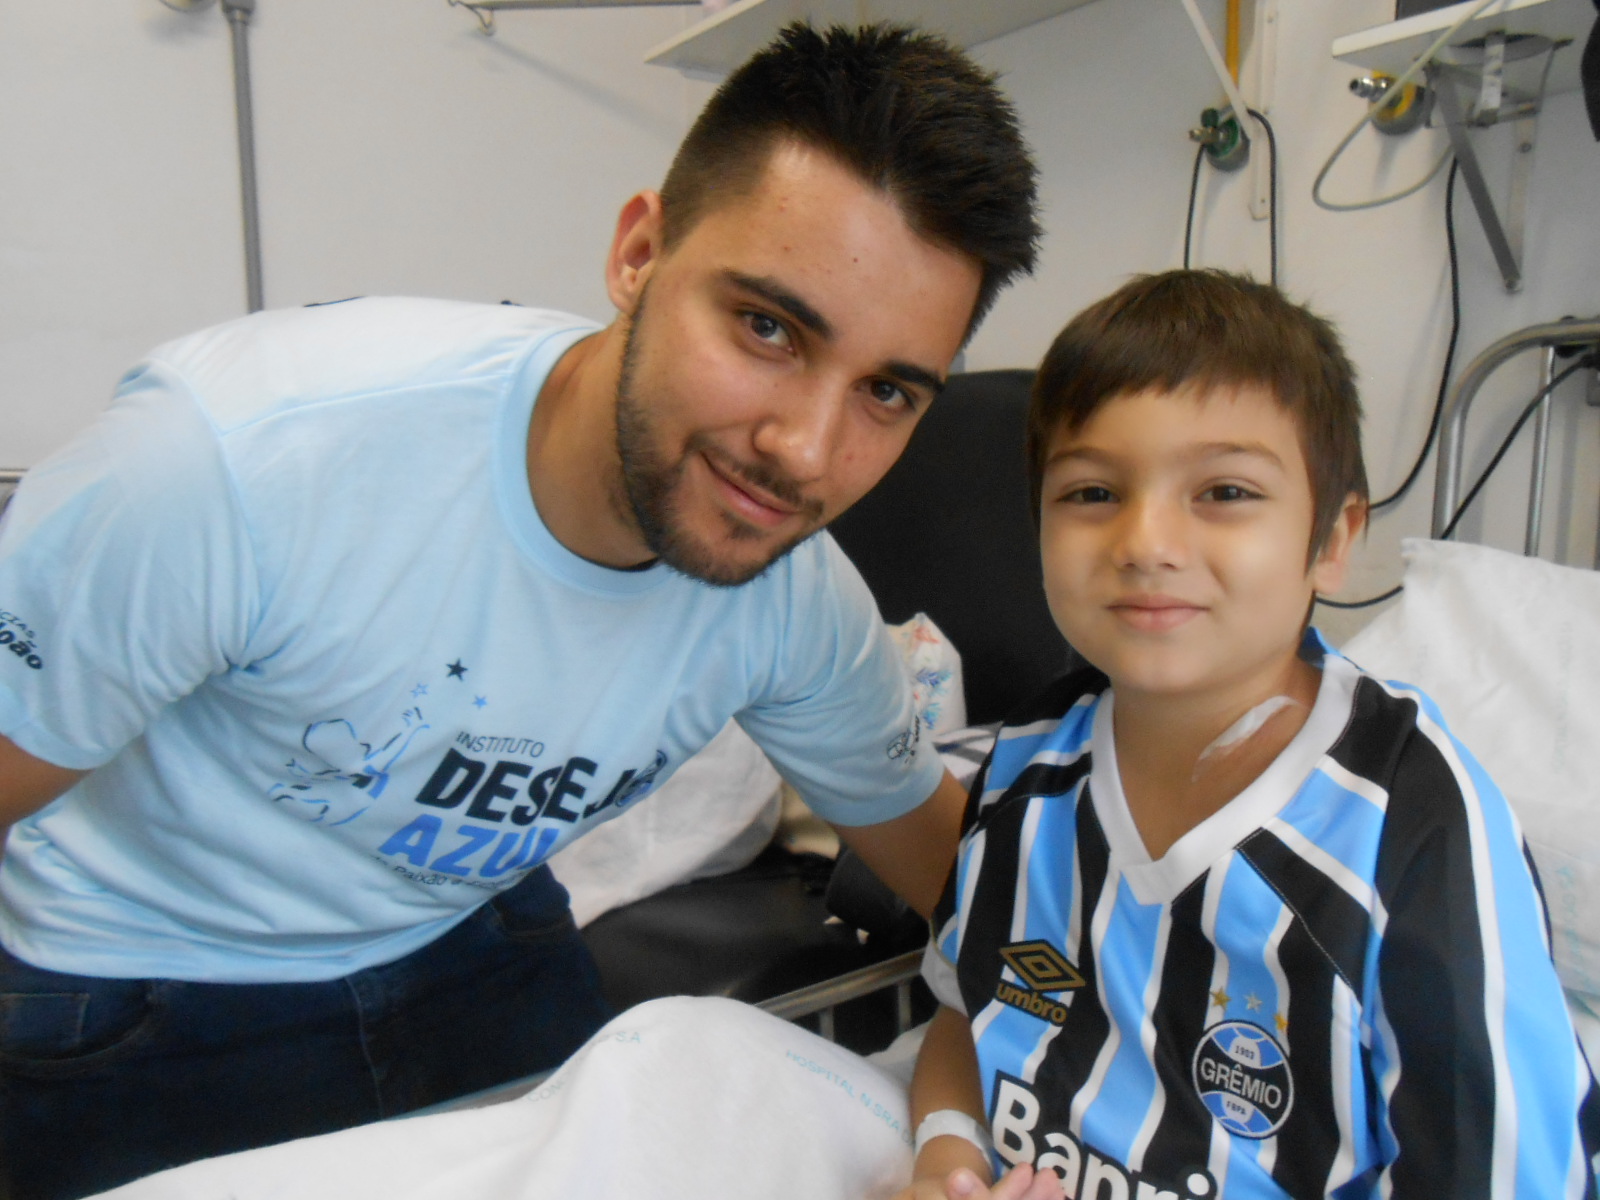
[27, 784]
[913, 853]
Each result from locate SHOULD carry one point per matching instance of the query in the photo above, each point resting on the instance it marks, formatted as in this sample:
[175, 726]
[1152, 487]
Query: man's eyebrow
[776, 294]
[904, 372]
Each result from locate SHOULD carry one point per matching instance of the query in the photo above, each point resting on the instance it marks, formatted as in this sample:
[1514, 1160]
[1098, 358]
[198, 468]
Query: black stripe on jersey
[1309, 1140]
[1333, 919]
[1071, 1056]
[1182, 1139]
[1538, 887]
[1057, 697]
[1372, 708]
[1589, 1130]
[1430, 976]
[988, 915]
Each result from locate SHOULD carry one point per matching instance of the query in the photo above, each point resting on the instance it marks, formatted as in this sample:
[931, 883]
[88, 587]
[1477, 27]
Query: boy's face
[1174, 530]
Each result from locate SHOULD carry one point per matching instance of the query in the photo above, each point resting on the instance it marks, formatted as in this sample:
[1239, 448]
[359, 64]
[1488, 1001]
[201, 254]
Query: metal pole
[1453, 421]
[238, 13]
[1541, 453]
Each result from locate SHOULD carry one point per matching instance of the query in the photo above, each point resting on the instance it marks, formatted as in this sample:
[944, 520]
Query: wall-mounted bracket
[484, 10]
[1495, 101]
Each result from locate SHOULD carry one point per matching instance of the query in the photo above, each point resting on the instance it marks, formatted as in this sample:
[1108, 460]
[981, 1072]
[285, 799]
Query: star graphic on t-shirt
[1252, 1002]
[480, 702]
[1283, 1022]
[420, 690]
[457, 671]
[1220, 998]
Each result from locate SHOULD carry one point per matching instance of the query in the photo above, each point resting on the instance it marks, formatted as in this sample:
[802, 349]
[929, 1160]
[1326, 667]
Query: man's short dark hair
[904, 110]
[1206, 329]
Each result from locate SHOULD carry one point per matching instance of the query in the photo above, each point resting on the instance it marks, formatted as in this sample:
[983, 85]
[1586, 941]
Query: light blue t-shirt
[291, 598]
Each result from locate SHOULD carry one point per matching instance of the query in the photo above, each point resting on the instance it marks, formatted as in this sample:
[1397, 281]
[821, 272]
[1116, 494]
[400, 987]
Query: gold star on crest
[1220, 998]
[1282, 1022]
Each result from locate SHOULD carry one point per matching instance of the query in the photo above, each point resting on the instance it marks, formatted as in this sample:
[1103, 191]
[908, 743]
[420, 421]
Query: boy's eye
[1091, 493]
[767, 329]
[1229, 493]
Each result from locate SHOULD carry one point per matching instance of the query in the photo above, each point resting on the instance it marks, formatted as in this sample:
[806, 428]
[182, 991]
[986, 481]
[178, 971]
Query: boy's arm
[1482, 1086]
[952, 1168]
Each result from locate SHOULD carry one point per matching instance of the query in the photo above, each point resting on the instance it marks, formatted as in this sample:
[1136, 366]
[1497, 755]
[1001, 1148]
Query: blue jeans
[106, 1080]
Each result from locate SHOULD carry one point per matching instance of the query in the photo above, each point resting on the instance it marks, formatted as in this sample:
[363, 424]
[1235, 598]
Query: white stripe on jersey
[1365, 788]
[1357, 888]
[1267, 1155]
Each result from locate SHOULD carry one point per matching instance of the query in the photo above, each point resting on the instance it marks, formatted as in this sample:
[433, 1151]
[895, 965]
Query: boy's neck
[1160, 740]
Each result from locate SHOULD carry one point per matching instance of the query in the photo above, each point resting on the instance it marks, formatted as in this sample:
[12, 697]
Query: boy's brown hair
[1205, 329]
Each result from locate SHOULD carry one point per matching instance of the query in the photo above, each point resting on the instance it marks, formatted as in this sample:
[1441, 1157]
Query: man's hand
[1019, 1183]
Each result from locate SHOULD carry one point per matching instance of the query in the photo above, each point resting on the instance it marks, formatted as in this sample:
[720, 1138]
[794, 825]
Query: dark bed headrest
[949, 532]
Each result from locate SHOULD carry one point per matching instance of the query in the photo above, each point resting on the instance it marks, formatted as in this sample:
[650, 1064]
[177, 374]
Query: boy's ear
[1333, 561]
[635, 247]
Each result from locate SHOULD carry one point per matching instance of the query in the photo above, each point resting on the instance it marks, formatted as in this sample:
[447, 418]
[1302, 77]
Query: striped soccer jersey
[1338, 985]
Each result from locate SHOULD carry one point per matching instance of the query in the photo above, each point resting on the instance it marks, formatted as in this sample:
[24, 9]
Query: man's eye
[890, 395]
[767, 329]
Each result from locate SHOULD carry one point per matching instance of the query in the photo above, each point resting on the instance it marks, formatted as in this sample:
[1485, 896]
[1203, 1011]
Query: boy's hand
[1019, 1183]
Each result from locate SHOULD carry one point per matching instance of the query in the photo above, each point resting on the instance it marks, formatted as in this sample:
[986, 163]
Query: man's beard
[650, 481]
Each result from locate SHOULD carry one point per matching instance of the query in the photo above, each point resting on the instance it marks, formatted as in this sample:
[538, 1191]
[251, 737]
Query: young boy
[1231, 918]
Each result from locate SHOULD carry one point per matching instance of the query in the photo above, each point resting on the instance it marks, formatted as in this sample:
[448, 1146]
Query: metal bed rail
[1572, 333]
[823, 998]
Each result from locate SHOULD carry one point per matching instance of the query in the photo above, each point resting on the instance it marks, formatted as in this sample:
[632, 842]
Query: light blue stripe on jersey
[1344, 825]
[1055, 882]
[1126, 961]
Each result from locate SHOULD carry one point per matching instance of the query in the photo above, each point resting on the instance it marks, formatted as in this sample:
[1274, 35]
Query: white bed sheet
[678, 1098]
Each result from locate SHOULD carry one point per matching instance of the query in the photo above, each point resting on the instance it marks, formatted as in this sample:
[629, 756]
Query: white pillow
[713, 816]
[721, 808]
[1509, 648]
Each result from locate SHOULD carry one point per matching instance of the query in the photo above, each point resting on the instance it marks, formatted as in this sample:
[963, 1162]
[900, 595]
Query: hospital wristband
[952, 1122]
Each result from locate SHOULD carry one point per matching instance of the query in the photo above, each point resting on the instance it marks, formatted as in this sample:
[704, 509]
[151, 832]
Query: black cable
[1395, 496]
[1272, 189]
[1272, 196]
[1194, 190]
[1589, 360]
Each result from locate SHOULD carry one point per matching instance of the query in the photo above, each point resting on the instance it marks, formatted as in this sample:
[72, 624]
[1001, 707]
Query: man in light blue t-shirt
[343, 619]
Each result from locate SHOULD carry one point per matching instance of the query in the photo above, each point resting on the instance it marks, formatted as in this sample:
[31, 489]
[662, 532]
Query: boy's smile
[1174, 532]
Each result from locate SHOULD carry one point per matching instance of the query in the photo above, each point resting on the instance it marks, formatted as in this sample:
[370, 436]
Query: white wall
[398, 149]
[1108, 93]
[401, 151]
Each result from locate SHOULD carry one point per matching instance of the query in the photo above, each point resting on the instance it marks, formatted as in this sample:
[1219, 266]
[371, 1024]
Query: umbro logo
[1043, 969]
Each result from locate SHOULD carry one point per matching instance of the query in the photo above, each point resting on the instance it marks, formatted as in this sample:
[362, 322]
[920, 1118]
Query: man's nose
[800, 434]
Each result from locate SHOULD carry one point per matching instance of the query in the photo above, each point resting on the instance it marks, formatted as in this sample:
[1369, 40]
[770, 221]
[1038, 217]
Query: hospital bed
[948, 532]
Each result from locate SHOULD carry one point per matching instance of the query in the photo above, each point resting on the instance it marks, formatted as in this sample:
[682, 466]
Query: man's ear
[1333, 561]
[635, 247]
